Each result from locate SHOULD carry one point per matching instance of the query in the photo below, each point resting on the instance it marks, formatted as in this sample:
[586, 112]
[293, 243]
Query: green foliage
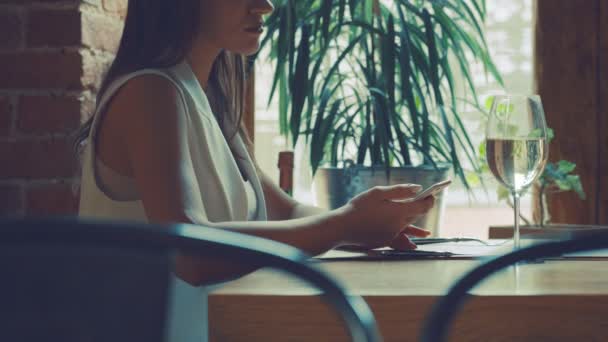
[503, 194]
[373, 80]
[559, 176]
[556, 177]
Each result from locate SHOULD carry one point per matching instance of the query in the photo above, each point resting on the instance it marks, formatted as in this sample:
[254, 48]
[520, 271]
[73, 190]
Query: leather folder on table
[433, 248]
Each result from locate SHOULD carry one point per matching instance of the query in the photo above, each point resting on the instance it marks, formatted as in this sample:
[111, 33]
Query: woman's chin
[252, 50]
[247, 49]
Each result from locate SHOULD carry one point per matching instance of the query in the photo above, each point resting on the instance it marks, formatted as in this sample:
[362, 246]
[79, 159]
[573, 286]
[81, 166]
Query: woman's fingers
[402, 242]
[381, 216]
[396, 192]
[419, 207]
[416, 231]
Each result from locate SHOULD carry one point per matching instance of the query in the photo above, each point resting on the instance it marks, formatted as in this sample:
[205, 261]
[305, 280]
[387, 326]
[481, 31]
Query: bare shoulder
[152, 146]
[145, 98]
[145, 110]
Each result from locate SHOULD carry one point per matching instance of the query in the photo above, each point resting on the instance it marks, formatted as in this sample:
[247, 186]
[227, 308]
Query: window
[509, 35]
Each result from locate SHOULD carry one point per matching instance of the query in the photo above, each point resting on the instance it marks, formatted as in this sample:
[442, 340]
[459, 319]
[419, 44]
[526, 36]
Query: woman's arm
[314, 235]
[371, 219]
[281, 206]
[153, 129]
[151, 120]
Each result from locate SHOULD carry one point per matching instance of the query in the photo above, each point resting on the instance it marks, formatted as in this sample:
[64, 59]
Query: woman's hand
[402, 241]
[374, 218]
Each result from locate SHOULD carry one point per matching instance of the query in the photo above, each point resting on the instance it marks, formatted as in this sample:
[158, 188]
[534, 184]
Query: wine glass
[516, 145]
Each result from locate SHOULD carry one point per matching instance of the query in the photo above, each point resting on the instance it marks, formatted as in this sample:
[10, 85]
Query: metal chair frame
[444, 311]
[200, 241]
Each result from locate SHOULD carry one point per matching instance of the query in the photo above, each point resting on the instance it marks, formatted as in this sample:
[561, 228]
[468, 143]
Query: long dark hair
[159, 34]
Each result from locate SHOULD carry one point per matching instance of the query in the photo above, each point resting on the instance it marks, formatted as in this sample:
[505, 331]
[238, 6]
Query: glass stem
[516, 243]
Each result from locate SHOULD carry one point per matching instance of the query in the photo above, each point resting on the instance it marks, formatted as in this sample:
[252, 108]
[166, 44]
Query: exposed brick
[87, 107]
[51, 199]
[100, 31]
[6, 116]
[52, 158]
[95, 3]
[48, 114]
[11, 29]
[94, 66]
[11, 199]
[118, 7]
[36, 70]
[40, 53]
[54, 27]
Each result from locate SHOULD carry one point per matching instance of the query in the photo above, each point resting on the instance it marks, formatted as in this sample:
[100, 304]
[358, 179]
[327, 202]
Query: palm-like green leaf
[299, 88]
[361, 78]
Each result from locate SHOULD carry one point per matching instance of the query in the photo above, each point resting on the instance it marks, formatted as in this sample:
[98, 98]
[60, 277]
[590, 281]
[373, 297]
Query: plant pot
[335, 186]
[548, 231]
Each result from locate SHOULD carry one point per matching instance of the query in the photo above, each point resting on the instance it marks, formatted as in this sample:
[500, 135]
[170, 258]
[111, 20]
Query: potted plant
[370, 86]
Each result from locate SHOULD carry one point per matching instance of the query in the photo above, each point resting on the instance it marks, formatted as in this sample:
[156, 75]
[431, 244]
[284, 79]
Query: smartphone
[430, 191]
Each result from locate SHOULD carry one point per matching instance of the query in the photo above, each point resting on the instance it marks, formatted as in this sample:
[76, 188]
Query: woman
[166, 143]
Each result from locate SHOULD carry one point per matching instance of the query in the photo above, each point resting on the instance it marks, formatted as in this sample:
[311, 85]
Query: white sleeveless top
[224, 194]
[123, 188]
[222, 189]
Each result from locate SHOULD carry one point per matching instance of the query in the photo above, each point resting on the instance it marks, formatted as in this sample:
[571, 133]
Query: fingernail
[412, 245]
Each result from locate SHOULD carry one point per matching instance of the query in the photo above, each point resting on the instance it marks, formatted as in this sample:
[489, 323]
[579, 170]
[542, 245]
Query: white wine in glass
[516, 145]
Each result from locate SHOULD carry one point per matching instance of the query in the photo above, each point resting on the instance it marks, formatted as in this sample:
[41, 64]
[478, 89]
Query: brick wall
[52, 56]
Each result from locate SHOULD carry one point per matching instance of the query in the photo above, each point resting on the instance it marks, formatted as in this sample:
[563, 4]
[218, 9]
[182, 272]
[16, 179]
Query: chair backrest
[445, 309]
[76, 293]
[77, 280]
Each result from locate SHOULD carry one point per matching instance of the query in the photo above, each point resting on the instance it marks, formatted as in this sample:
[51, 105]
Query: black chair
[444, 311]
[77, 280]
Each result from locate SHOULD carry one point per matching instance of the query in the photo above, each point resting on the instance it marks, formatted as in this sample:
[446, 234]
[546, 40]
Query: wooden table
[563, 300]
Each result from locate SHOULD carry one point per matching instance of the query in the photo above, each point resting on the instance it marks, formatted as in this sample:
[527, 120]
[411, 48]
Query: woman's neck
[201, 59]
